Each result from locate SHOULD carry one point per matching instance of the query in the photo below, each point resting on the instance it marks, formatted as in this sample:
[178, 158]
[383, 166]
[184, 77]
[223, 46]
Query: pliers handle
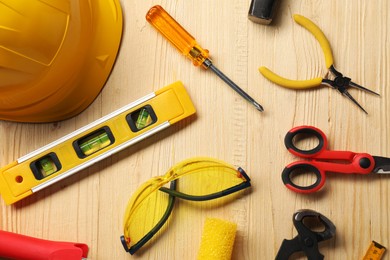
[338, 81]
[289, 83]
[320, 36]
[303, 84]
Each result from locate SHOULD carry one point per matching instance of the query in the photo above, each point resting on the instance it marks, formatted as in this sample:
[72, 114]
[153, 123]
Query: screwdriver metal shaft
[233, 85]
[187, 45]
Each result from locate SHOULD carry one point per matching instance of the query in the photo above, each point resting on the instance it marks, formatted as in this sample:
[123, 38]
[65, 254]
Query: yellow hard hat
[55, 56]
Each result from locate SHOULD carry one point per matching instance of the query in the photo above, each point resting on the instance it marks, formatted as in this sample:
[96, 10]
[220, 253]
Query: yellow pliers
[338, 81]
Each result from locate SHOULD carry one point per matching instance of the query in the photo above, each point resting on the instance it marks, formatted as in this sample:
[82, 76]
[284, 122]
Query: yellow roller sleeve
[217, 240]
[288, 83]
[311, 27]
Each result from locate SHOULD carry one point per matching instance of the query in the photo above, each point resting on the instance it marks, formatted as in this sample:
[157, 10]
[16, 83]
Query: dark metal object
[341, 83]
[382, 165]
[307, 240]
[262, 11]
[208, 64]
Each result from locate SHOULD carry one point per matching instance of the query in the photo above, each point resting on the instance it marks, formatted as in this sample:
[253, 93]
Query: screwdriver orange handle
[177, 35]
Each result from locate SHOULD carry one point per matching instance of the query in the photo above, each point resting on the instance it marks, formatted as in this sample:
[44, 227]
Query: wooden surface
[89, 206]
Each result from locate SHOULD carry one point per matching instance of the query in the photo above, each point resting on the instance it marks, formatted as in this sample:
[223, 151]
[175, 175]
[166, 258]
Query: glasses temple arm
[212, 196]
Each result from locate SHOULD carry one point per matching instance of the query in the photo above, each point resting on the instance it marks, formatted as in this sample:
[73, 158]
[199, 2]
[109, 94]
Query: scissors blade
[354, 85]
[382, 165]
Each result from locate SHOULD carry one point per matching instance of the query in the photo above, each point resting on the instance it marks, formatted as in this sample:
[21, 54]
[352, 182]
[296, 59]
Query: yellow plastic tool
[187, 45]
[94, 142]
[338, 82]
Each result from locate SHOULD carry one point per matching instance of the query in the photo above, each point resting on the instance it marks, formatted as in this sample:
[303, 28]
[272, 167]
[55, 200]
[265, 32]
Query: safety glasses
[195, 179]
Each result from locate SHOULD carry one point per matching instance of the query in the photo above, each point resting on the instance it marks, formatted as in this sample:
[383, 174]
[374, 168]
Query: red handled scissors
[322, 160]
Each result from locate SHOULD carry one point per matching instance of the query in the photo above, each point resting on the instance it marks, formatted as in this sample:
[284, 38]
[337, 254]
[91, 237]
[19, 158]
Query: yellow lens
[146, 209]
[203, 180]
[194, 177]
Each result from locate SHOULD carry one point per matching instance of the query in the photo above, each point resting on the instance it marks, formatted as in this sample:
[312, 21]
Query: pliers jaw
[307, 240]
[341, 83]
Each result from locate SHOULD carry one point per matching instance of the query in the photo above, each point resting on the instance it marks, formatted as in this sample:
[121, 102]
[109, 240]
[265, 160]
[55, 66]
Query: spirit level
[375, 251]
[94, 142]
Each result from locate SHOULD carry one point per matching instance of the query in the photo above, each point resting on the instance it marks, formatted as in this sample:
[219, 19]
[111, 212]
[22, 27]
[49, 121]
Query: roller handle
[15, 246]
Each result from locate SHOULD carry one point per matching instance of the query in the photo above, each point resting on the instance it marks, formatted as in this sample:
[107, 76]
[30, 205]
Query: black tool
[262, 11]
[307, 239]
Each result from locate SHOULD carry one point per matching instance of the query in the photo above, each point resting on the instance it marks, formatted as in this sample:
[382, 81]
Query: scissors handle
[305, 132]
[320, 151]
[321, 161]
[302, 167]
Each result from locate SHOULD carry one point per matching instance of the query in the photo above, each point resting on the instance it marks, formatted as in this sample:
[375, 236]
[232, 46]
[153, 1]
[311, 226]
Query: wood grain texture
[89, 206]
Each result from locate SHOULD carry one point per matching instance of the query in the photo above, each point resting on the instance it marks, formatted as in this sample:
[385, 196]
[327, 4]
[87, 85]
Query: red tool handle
[320, 152]
[21, 247]
[321, 160]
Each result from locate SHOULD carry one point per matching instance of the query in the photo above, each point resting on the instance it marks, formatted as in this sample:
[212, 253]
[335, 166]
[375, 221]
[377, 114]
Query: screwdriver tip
[258, 106]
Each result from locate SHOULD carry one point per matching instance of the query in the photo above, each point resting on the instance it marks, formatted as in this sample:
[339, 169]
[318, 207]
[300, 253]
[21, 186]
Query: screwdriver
[187, 45]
